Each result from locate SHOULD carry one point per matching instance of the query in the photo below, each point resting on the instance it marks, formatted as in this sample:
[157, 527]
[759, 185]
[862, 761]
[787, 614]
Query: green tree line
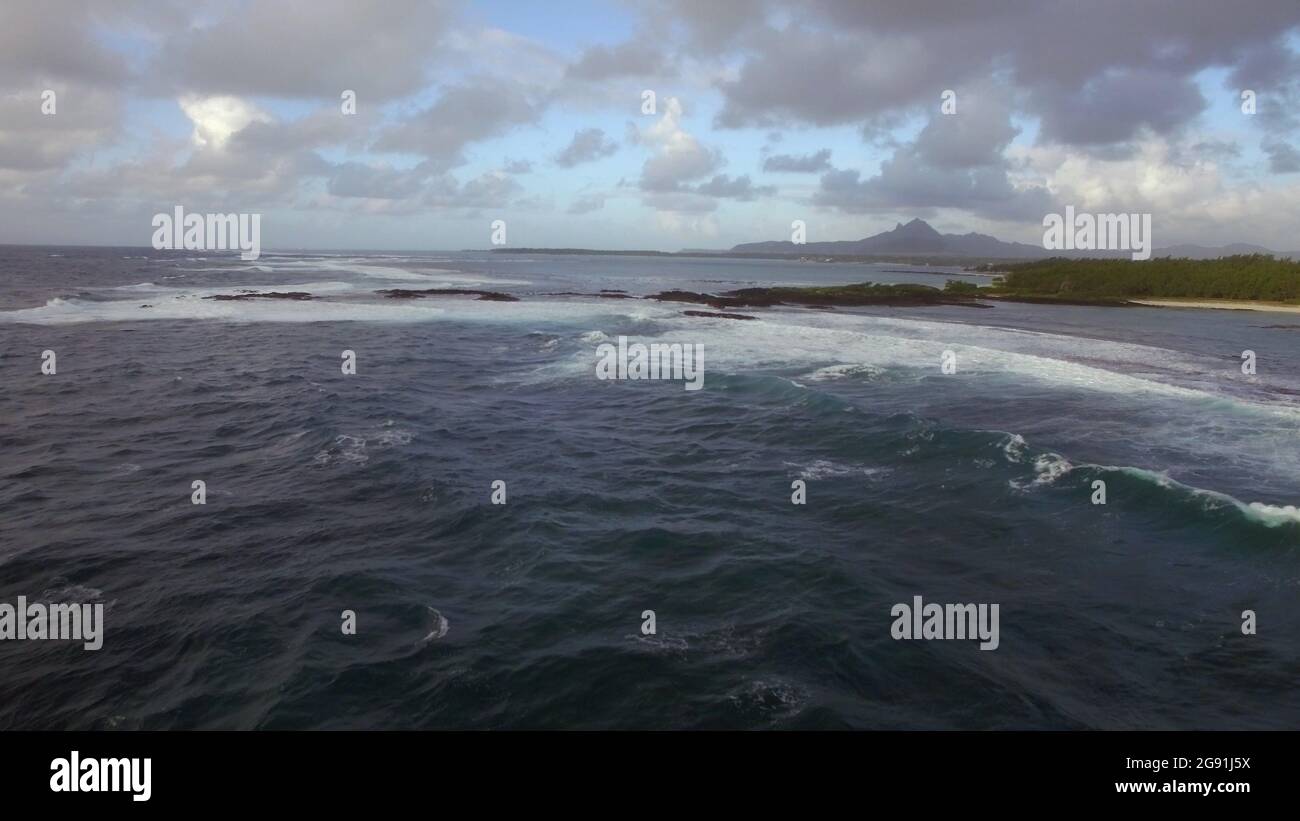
[1245, 276]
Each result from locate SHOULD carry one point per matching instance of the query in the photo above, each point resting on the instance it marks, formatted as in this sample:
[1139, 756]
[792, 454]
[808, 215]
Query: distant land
[918, 237]
[919, 243]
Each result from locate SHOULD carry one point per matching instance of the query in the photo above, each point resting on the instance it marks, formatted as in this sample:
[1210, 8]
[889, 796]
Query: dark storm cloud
[306, 48]
[1272, 72]
[1114, 106]
[804, 75]
[1095, 72]
[41, 42]
[956, 161]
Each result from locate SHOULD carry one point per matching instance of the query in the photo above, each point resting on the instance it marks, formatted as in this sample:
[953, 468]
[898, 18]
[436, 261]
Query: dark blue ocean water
[371, 492]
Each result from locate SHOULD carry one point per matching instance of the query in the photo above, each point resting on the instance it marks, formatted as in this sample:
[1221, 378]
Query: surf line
[946, 621]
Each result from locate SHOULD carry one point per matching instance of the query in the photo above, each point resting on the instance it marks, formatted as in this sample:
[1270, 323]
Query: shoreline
[1221, 304]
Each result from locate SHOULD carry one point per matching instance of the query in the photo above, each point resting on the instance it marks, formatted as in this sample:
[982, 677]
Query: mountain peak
[916, 229]
[918, 237]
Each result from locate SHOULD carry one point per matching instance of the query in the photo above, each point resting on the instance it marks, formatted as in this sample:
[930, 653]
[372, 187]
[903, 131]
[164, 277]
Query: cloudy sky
[829, 111]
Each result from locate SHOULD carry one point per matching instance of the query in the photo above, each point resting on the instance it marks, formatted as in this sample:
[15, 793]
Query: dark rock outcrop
[490, 296]
[718, 315]
[295, 295]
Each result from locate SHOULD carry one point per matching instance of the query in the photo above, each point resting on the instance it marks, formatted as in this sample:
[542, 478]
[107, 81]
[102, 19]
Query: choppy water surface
[372, 492]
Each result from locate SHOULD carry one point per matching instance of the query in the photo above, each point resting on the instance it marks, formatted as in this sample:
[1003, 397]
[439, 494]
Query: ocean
[373, 493]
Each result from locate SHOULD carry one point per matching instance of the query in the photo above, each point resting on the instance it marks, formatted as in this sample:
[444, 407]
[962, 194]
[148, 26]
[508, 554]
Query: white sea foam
[1014, 447]
[191, 306]
[835, 346]
[826, 469]
[354, 448]
[1048, 467]
[1272, 515]
[845, 371]
[1258, 512]
[346, 448]
[782, 339]
[362, 266]
[318, 288]
[171, 303]
[439, 626]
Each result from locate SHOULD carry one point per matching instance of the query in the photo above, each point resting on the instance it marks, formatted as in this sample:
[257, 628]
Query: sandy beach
[1222, 304]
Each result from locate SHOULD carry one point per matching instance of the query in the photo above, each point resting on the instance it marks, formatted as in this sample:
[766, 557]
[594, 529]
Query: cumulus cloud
[678, 157]
[31, 140]
[1117, 105]
[956, 161]
[738, 188]
[215, 119]
[488, 190]
[1283, 158]
[353, 179]
[38, 42]
[1097, 72]
[638, 57]
[305, 48]
[805, 164]
[587, 145]
[1114, 96]
[464, 113]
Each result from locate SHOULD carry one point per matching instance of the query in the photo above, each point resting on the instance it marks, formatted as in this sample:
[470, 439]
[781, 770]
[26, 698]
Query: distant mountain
[915, 237]
[920, 239]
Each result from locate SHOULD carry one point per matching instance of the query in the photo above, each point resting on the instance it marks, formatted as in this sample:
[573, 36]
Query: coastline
[1221, 304]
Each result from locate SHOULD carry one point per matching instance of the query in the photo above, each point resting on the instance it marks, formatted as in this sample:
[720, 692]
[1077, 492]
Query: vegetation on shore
[1254, 277]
